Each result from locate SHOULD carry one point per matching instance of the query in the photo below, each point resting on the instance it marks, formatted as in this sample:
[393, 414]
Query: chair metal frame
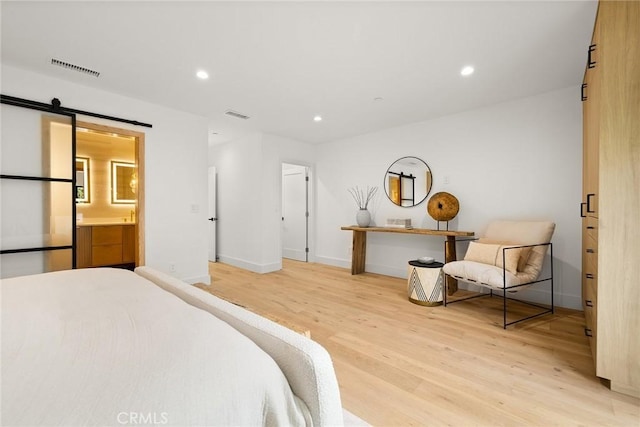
[505, 288]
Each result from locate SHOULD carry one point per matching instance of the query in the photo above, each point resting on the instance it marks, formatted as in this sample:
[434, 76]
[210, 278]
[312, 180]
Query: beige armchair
[509, 258]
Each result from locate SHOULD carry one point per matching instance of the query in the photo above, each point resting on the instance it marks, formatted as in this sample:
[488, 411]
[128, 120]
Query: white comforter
[108, 347]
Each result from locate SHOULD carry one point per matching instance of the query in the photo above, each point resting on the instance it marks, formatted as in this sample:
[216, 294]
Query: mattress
[109, 347]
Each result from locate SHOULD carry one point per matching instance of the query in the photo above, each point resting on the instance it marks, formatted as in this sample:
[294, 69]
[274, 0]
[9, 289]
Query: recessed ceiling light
[467, 71]
[202, 75]
[317, 119]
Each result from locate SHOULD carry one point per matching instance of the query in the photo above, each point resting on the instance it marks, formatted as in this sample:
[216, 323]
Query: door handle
[589, 196]
[590, 62]
[213, 219]
[582, 206]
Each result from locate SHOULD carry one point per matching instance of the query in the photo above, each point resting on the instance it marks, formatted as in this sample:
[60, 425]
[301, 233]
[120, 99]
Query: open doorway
[295, 212]
[212, 217]
[109, 196]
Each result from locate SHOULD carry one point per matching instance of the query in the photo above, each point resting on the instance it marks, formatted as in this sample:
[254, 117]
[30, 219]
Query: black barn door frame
[33, 105]
[56, 108]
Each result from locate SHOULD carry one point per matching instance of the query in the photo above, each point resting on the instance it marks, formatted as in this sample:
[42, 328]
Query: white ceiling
[281, 63]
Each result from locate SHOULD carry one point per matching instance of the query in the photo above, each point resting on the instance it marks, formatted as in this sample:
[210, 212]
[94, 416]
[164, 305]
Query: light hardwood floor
[401, 364]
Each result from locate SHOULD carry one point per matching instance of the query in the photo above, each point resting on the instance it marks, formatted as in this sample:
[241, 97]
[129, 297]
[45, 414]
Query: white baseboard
[202, 279]
[294, 254]
[246, 265]
[336, 262]
[386, 270]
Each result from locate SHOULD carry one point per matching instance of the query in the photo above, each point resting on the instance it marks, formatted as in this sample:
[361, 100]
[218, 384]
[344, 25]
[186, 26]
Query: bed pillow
[524, 252]
[491, 254]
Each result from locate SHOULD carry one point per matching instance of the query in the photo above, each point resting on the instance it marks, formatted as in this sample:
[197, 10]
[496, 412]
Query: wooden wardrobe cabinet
[611, 195]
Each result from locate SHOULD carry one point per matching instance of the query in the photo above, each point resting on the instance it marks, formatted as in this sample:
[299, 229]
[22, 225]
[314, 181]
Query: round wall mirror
[408, 181]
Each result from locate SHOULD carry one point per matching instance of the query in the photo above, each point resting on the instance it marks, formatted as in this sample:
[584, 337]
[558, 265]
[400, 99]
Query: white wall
[278, 150]
[239, 201]
[249, 198]
[516, 160]
[175, 172]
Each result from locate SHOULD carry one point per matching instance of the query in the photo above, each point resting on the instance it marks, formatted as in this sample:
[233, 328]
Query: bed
[113, 347]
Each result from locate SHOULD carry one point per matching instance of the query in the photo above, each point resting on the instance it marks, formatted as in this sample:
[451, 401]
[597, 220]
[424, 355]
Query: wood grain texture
[83, 248]
[399, 363]
[105, 255]
[129, 243]
[611, 233]
[449, 256]
[443, 206]
[424, 231]
[106, 235]
[359, 254]
[618, 314]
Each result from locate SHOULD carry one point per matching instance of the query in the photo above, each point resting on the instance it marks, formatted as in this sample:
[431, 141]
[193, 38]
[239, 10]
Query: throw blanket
[108, 347]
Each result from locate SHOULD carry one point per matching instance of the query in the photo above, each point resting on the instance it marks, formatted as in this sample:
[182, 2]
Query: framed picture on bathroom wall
[124, 182]
[83, 193]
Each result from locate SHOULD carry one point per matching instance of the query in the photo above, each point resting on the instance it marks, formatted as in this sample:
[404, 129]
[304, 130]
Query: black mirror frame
[410, 176]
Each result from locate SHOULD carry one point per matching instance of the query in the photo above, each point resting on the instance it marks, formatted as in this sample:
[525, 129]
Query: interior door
[294, 212]
[213, 220]
[37, 188]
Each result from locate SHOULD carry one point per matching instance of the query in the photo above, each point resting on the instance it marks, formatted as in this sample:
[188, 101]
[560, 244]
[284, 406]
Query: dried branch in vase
[362, 197]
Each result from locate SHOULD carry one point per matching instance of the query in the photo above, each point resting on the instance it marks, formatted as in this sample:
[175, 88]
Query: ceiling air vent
[74, 67]
[236, 114]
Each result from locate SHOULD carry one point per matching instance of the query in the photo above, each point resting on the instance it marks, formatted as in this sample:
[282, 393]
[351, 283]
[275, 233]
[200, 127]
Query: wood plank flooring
[401, 364]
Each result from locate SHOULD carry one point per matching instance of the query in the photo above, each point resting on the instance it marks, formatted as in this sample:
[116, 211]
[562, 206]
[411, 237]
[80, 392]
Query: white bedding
[108, 347]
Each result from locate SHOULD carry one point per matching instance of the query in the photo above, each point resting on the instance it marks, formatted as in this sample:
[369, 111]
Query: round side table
[424, 283]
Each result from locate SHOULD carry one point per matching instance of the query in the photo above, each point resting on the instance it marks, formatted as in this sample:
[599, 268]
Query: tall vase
[363, 218]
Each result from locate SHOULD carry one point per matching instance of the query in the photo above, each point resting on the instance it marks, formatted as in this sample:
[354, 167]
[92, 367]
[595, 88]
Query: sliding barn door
[37, 182]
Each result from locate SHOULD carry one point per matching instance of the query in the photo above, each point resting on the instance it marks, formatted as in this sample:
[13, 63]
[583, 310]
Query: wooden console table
[359, 253]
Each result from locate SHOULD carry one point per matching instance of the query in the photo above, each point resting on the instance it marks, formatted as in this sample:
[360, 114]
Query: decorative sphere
[443, 206]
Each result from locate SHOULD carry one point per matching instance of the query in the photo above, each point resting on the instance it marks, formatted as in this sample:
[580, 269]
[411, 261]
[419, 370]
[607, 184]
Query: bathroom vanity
[101, 245]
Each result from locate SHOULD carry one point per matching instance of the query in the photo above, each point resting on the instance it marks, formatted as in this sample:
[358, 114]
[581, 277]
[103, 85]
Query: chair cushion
[485, 274]
[514, 233]
[492, 254]
[524, 233]
[524, 252]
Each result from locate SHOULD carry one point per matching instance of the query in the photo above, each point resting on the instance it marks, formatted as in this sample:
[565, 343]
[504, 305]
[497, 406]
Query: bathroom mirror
[124, 182]
[408, 181]
[83, 195]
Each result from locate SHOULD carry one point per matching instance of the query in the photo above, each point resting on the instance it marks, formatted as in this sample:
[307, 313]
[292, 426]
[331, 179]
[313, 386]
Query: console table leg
[359, 252]
[449, 256]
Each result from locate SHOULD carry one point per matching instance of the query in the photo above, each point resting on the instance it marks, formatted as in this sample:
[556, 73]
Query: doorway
[213, 219]
[295, 212]
[109, 196]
